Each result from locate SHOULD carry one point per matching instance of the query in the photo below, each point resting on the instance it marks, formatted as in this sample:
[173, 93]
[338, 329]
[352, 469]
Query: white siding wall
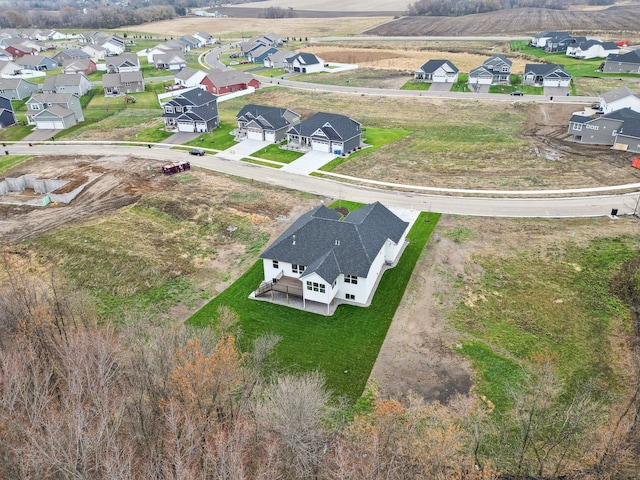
[270, 272]
[329, 290]
[632, 102]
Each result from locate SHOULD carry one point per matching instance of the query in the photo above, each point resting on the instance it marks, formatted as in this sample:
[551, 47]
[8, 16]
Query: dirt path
[418, 355]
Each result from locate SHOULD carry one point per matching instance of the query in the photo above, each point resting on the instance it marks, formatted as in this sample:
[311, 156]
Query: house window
[577, 127]
[297, 268]
[349, 296]
[275, 264]
[35, 106]
[168, 109]
[351, 279]
[127, 84]
[316, 287]
[505, 68]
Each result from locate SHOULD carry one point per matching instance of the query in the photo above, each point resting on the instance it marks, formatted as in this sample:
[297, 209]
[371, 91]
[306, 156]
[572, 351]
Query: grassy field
[344, 346]
[144, 258]
[561, 302]
[15, 133]
[9, 161]
[376, 138]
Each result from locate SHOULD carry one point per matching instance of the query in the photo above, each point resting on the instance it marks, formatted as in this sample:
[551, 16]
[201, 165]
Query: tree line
[94, 18]
[454, 8]
[84, 400]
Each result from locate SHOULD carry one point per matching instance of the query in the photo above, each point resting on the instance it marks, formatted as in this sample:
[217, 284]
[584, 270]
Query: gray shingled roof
[196, 97]
[492, 60]
[304, 58]
[545, 69]
[269, 118]
[629, 57]
[329, 247]
[334, 126]
[617, 94]
[432, 65]
[223, 78]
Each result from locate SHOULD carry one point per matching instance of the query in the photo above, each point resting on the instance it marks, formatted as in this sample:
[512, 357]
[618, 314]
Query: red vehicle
[176, 168]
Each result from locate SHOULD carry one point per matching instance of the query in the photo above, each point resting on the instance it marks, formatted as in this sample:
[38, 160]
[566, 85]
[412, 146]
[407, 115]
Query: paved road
[578, 206]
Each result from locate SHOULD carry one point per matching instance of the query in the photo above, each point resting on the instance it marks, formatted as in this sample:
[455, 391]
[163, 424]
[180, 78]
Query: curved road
[558, 207]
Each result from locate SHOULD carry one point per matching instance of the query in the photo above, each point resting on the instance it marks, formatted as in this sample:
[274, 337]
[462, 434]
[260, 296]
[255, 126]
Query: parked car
[517, 93]
[196, 151]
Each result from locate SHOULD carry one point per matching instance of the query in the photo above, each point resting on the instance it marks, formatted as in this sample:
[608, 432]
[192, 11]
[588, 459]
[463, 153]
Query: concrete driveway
[179, 138]
[309, 162]
[243, 149]
[479, 88]
[440, 87]
[39, 135]
[556, 91]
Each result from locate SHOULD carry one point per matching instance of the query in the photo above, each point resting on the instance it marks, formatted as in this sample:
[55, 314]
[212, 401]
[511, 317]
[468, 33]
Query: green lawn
[376, 137]
[15, 133]
[8, 161]
[219, 139]
[413, 85]
[461, 85]
[155, 134]
[559, 302]
[343, 347]
[274, 152]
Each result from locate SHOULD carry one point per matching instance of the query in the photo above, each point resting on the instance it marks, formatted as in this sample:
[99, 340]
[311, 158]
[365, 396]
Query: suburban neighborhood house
[195, 110]
[54, 111]
[17, 88]
[619, 98]
[220, 82]
[546, 74]
[76, 83]
[326, 132]
[592, 49]
[303, 63]
[326, 259]
[494, 70]
[127, 62]
[7, 117]
[622, 63]
[439, 71]
[115, 84]
[259, 122]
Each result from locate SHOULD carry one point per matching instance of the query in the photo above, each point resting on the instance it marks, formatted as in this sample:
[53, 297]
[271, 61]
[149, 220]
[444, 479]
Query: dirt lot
[408, 58]
[611, 22]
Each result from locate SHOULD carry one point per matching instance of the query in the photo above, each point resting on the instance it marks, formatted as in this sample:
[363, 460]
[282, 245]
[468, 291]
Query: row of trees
[95, 18]
[79, 400]
[454, 8]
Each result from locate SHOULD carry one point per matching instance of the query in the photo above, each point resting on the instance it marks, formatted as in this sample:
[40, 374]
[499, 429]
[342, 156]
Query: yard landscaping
[343, 347]
[10, 161]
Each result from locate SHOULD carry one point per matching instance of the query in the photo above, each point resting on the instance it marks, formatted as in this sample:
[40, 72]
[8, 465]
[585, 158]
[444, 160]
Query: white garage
[254, 134]
[49, 125]
[186, 127]
[321, 145]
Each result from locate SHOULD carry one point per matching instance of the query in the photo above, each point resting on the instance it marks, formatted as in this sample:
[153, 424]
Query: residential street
[512, 206]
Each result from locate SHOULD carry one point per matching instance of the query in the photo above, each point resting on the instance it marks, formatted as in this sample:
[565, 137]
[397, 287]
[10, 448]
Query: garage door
[270, 136]
[186, 127]
[320, 146]
[551, 83]
[254, 134]
[50, 125]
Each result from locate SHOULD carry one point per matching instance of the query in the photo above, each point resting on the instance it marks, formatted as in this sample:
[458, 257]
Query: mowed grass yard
[343, 347]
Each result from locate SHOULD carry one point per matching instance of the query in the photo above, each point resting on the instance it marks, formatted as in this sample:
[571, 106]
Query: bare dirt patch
[613, 21]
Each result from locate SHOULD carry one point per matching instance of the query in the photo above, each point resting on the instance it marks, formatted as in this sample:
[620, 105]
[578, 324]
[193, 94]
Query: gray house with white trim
[622, 63]
[64, 110]
[546, 75]
[195, 110]
[17, 88]
[326, 132]
[260, 122]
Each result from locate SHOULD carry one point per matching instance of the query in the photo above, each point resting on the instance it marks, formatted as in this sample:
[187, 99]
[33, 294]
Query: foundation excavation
[39, 192]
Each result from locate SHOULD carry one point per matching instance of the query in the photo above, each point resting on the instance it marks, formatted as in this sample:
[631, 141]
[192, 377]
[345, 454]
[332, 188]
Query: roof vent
[337, 242]
[294, 240]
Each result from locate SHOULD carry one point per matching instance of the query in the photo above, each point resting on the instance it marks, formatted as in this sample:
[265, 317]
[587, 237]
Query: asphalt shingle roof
[334, 126]
[617, 94]
[265, 116]
[329, 247]
[432, 65]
